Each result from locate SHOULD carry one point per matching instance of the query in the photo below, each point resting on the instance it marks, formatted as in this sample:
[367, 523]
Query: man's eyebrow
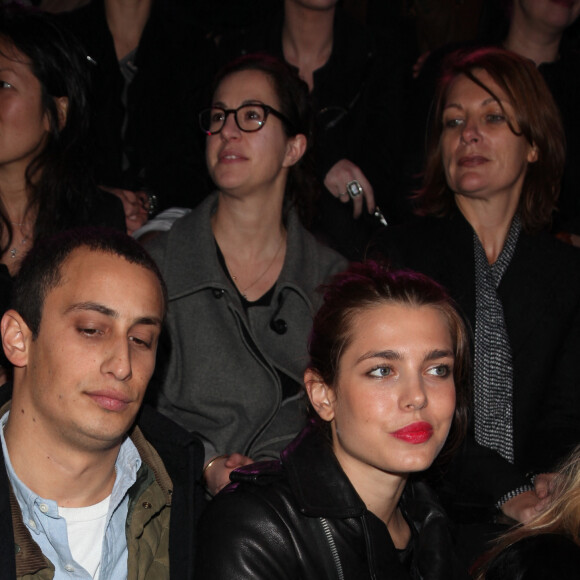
[93, 306]
[102, 309]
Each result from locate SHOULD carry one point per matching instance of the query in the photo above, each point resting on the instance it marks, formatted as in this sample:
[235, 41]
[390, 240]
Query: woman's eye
[495, 118]
[253, 115]
[452, 123]
[381, 371]
[440, 371]
[5, 85]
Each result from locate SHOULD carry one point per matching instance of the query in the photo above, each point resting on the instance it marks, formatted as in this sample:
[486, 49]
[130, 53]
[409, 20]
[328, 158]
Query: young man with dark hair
[94, 486]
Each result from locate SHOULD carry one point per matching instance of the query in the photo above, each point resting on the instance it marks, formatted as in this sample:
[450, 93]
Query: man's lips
[415, 433]
[110, 400]
[472, 161]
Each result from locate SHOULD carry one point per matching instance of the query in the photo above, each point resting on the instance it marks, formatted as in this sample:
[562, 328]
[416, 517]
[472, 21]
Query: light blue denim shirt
[49, 531]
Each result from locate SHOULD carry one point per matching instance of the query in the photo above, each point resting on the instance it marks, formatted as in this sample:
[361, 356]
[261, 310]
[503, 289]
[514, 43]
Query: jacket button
[147, 505]
[218, 292]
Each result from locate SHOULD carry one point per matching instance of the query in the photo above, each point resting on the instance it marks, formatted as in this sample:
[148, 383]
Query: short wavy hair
[537, 118]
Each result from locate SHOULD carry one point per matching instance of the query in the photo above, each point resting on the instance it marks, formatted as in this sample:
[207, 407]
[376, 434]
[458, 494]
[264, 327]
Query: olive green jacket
[147, 527]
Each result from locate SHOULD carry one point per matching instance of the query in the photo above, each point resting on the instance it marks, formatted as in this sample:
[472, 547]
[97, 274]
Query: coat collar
[190, 248]
[320, 486]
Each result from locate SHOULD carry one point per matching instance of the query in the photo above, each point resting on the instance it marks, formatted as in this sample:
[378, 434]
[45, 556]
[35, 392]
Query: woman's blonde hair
[561, 517]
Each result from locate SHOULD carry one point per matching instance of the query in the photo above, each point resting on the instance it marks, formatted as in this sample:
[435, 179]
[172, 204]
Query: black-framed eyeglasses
[249, 118]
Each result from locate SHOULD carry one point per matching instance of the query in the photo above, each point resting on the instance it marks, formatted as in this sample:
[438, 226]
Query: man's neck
[54, 470]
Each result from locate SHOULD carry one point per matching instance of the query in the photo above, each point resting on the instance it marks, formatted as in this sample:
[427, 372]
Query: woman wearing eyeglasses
[241, 272]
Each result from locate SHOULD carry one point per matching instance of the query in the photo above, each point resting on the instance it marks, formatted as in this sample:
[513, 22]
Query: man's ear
[16, 337]
[320, 394]
[295, 149]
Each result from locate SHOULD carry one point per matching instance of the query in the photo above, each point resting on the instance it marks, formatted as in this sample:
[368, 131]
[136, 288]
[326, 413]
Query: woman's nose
[413, 394]
[230, 129]
[470, 131]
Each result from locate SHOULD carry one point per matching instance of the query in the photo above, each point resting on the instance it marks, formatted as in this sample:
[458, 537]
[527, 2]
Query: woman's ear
[15, 338]
[62, 111]
[533, 153]
[295, 149]
[321, 396]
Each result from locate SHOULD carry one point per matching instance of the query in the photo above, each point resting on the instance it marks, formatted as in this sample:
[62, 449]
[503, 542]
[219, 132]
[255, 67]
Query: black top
[157, 132]
[542, 557]
[540, 296]
[357, 98]
[280, 519]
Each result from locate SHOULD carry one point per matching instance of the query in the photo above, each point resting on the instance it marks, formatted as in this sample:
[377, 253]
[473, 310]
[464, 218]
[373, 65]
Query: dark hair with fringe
[41, 268]
[538, 121]
[292, 91]
[368, 285]
[59, 181]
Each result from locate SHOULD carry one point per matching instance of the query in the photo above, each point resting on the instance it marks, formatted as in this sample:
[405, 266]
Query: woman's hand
[342, 173]
[217, 475]
[544, 486]
[135, 205]
[527, 505]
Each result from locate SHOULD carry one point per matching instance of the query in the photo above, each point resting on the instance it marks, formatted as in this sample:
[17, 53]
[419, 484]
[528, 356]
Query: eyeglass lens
[248, 118]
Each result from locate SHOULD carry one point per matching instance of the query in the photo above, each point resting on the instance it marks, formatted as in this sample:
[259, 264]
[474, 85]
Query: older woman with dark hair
[387, 384]
[491, 182]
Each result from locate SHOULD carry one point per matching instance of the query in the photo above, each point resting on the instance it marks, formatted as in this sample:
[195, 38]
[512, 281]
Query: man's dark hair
[41, 269]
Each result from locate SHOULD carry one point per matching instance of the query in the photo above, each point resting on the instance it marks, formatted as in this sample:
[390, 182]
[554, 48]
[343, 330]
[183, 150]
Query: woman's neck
[252, 240]
[381, 492]
[307, 37]
[490, 220]
[246, 224]
[538, 43]
[15, 196]
[126, 20]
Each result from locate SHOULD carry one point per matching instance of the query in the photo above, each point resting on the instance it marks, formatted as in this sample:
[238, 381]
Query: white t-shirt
[86, 531]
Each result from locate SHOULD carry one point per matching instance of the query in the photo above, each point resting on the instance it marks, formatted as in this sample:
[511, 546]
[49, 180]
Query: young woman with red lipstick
[492, 177]
[389, 359]
[241, 271]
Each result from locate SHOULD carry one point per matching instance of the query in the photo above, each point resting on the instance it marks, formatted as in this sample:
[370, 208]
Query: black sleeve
[242, 536]
[542, 557]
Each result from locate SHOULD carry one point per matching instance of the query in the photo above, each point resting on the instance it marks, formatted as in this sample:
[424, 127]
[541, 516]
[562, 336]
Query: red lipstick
[415, 433]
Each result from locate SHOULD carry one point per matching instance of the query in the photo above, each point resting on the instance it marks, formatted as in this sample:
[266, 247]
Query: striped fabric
[493, 372]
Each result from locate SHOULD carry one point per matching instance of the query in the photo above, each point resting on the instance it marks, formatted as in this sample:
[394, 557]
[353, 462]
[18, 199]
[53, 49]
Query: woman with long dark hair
[45, 178]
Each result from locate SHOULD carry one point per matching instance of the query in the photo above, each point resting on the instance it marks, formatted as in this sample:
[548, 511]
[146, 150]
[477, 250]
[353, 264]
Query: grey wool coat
[220, 369]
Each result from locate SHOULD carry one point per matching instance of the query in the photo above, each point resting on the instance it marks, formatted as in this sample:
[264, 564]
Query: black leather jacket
[301, 518]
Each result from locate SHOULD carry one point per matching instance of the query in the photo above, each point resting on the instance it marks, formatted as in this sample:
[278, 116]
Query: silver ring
[354, 189]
